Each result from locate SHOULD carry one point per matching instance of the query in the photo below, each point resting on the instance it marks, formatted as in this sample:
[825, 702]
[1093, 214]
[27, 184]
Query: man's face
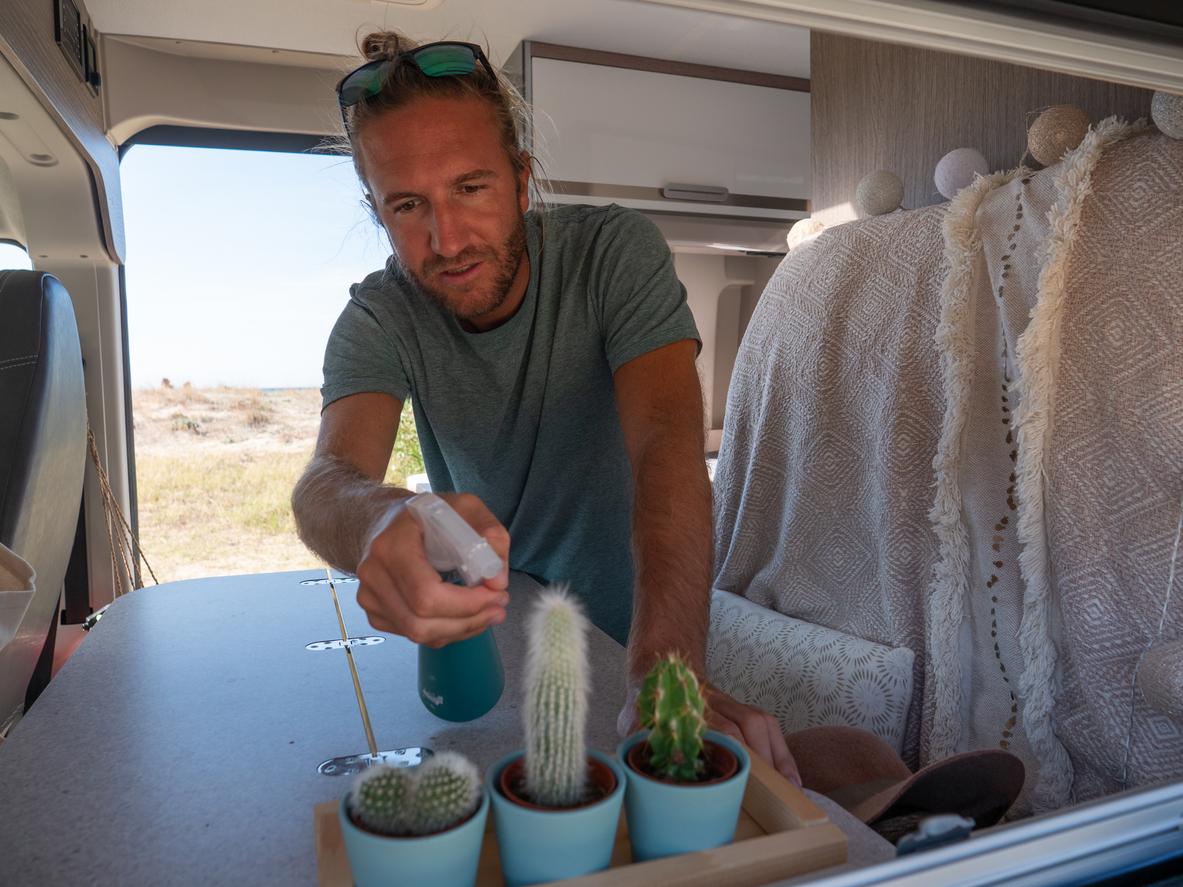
[445, 191]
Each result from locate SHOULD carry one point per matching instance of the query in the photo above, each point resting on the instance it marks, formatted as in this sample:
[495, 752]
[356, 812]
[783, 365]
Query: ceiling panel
[331, 26]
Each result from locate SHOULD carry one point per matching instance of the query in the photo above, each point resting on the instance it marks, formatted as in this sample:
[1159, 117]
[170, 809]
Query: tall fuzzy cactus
[556, 700]
[422, 800]
[672, 707]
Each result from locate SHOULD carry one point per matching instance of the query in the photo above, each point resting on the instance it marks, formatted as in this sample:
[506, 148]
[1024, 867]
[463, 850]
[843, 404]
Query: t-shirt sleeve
[362, 357]
[643, 304]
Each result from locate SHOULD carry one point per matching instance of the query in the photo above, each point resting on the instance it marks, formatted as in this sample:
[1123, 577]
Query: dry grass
[215, 469]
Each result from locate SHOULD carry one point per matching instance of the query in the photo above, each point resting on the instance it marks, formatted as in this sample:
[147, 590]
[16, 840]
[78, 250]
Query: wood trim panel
[635, 192]
[26, 40]
[663, 66]
[883, 106]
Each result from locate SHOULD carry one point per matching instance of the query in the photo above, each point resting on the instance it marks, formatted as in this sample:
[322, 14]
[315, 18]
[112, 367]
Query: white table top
[180, 743]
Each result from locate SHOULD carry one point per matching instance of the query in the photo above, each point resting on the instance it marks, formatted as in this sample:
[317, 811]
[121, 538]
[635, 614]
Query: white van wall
[722, 292]
[49, 207]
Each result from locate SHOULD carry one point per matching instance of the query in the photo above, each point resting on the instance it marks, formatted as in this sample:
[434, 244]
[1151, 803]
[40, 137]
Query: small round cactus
[447, 789]
[382, 797]
[422, 800]
[556, 701]
[672, 707]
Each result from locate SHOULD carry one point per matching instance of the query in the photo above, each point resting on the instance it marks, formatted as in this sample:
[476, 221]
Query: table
[180, 743]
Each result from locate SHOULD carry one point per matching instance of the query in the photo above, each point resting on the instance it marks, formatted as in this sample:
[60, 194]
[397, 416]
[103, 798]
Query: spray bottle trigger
[450, 543]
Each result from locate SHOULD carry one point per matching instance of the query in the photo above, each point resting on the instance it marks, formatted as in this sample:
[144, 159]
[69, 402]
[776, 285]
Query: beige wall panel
[26, 40]
[882, 106]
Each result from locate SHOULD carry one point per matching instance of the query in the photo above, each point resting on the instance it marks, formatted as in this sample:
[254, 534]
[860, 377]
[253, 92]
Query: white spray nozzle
[450, 542]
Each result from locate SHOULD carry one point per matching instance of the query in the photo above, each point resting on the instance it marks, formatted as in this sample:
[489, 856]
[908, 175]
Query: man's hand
[347, 515]
[756, 729]
[402, 593]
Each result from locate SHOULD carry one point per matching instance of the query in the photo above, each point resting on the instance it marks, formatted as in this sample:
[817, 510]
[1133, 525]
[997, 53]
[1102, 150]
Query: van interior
[943, 409]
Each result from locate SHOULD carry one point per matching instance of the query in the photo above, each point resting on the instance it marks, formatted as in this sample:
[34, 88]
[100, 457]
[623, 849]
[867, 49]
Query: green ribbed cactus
[447, 788]
[672, 707]
[422, 800]
[556, 701]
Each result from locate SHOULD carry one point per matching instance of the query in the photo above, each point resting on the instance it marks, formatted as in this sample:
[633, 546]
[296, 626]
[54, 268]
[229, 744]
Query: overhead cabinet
[668, 142]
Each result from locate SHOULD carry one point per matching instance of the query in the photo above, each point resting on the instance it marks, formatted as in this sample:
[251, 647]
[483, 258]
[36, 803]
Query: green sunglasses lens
[363, 84]
[445, 61]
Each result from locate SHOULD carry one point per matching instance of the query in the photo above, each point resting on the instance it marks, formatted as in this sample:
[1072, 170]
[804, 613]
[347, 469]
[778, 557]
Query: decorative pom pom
[1166, 109]
[1057, 131]
[802, 231]
[958, 169]
[880, 192]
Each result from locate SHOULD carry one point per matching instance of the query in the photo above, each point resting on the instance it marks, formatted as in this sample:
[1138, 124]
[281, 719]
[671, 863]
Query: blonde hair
[404, 84]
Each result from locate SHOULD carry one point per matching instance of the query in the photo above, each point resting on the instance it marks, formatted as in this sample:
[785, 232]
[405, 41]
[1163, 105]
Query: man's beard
[467, 304]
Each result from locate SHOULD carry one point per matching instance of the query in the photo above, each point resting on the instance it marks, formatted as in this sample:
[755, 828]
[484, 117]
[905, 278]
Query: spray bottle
[463, 680]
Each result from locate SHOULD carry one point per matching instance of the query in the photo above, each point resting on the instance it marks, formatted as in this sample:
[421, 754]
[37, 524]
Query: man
[550, 359]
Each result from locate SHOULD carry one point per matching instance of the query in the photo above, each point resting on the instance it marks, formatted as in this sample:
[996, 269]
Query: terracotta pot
[601, 783]
[720, 763]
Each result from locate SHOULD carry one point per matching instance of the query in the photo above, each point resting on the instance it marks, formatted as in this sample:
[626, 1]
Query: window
[238, 263]
[12, 256]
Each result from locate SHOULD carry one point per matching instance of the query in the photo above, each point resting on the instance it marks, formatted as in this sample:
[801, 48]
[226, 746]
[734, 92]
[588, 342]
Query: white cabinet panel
[639, 129]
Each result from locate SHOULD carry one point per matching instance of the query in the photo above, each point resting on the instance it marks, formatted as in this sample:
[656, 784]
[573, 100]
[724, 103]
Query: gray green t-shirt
[524, 415]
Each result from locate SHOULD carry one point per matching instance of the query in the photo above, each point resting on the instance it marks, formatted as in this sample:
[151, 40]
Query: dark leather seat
[42, 457]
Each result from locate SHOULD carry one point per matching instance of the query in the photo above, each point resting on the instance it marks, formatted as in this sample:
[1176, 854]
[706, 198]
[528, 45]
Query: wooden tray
[780, 834]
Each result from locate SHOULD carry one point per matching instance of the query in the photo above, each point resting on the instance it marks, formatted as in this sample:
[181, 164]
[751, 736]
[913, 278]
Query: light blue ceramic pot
[546, 845]
[447, 859]
[665, 818]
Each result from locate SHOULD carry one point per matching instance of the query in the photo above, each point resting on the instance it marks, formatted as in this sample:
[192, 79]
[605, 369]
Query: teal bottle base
[461, 681]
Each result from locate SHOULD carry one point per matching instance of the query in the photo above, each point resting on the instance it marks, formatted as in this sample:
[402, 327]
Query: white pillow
[807, 675]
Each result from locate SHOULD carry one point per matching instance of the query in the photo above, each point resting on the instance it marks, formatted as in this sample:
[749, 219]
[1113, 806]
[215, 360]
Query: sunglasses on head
[445, 59]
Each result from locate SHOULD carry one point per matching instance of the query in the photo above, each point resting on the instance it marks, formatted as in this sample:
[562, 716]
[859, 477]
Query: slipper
[862, 774]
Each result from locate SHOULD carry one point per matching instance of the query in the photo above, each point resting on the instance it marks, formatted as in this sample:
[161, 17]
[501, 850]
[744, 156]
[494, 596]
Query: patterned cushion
[807, 675]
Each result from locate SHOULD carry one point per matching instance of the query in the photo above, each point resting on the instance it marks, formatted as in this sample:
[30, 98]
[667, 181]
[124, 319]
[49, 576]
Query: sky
[238, 263]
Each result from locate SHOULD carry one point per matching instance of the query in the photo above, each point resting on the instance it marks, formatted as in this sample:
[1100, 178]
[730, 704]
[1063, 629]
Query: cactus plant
[382, 797]
[447, 788]
[671, 706]
[422, 800]
[556, 701]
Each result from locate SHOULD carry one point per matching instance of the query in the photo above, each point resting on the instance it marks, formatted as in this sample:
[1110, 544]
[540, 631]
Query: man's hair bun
[385, 44]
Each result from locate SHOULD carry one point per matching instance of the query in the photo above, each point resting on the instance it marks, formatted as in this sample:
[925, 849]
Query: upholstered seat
[42, 457]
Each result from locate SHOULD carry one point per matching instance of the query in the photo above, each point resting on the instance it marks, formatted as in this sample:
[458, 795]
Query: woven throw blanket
[1101, 458]
[824, 479]
[994, 235]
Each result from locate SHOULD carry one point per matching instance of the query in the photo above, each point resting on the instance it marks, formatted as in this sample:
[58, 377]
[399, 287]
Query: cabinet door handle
[699, 193]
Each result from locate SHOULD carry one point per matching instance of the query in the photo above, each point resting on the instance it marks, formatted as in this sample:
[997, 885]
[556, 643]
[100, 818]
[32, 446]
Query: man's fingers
[757, 729]
[782, 758]
[435, 632]
[403, 593]
[729, 729]
[481, 519]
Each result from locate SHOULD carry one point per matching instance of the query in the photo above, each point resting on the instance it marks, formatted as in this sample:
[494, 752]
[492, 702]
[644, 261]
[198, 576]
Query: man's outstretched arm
[659, 400]
[347, 515]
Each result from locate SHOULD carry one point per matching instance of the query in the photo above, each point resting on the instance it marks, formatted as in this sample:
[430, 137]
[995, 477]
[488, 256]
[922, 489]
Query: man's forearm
[672, 550]
[337, 507]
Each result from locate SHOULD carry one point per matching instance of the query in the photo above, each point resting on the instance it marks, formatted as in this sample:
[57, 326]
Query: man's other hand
[402, 592]
[756, 729]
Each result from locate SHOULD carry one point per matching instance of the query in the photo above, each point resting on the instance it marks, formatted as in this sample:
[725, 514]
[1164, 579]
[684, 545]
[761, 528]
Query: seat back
[42, 455]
